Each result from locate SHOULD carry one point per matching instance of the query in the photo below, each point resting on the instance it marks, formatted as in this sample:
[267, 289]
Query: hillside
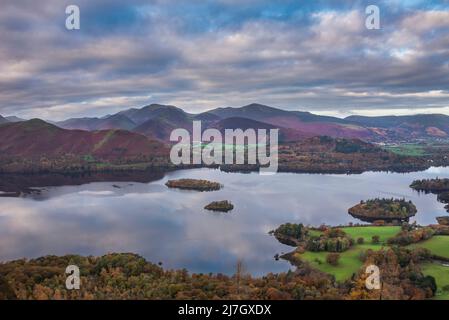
[306, 123]
[252, 111]
[153, 111]
[233, 123]
[14, 119]
[414, 126]
[91, 124]
[161, 121]
[160, 129]
[35, 140]
[262, 112]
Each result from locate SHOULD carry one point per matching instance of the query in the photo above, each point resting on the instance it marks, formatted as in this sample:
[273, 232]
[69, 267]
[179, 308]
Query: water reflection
[171, 226]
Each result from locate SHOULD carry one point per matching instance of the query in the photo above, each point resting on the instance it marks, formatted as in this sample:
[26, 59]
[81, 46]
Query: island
[444, 221]
[443, 197]
[222, 206]
[431, 185]
[393, 211]
[437, 186]
[194, 184]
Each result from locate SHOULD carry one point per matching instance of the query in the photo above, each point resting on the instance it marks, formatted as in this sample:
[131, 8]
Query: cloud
[309, 55]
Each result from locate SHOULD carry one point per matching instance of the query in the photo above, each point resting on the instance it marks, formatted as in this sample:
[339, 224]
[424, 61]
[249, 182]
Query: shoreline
[145, 175]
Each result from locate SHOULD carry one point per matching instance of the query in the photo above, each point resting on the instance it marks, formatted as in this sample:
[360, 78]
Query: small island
[437, 186]
[444, 221]
[194, 184]
[387, 210]
[431, 185]
[222, 206]
[443, 197]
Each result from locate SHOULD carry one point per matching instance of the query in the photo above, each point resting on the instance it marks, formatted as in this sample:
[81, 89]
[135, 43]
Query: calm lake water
[171, 226]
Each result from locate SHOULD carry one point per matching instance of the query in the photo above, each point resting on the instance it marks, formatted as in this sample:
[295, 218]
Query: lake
[171, 226]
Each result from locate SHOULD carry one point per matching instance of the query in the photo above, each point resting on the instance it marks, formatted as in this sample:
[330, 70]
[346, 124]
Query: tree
[333, 258]
[429, 283]
[360, 240]
[375, 240]
[239, 274]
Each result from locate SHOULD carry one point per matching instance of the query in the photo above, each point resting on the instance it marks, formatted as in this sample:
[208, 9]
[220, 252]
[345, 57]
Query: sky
[315, 56]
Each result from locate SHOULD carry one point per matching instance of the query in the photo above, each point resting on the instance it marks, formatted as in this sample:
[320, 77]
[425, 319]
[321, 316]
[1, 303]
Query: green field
[348, 265]
[441, 275]
[368, 232]
[439, 245]
[409, 149]
[349, 260]
[315, 233]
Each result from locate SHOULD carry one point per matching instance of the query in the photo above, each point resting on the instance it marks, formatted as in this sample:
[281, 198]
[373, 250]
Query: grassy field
[441, 275]
[439, 245]
[348, 265]
[409, 149]
[315, 233]
[349, 260]
[368, 232]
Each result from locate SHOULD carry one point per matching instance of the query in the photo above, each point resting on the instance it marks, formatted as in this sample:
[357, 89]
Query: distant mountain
[413, 126]
[233, 123]
[159, 129]
[155, 121]
[91, 124]
[262, 112]
[78, 123]
[206, 116]
[392, 121]
[310, 117]
[140, 116]
[3, 120]
[241, 123]
[161, 121]
[305, 122]
[37, 138]
[14, 119]
[116, 122]
[252, 111]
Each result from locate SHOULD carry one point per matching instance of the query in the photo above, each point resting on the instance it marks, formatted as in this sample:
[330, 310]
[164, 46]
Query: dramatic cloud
[308, 55]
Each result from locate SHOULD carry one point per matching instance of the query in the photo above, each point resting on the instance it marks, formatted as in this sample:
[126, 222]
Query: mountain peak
[37, 123]
[34, 125]
[3, 120]
[156, 106]
[257, 106]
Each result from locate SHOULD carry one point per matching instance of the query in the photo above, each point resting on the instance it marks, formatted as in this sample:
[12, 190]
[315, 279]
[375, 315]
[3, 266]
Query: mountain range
[156, 122]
